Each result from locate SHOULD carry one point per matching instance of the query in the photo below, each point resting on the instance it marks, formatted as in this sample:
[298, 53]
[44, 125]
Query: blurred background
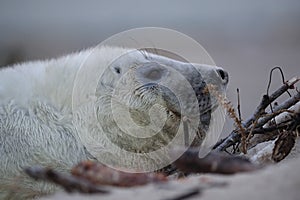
[247, 38]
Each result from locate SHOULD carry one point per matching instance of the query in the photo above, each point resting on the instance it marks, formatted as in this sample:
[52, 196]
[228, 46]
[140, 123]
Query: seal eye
[151, 72]
[117, 70]
[154, 75]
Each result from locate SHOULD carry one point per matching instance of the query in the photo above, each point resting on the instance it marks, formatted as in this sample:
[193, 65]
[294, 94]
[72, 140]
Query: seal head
[147, 97]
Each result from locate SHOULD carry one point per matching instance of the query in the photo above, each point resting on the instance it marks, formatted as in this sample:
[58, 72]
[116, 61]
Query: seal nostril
[223, 74]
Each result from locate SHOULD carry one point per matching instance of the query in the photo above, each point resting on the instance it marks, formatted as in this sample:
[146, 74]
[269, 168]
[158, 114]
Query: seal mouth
[170, 101]
[164, 96]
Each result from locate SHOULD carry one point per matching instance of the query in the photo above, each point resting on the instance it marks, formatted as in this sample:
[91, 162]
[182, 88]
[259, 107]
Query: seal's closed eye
[151, 72]
[117, 70]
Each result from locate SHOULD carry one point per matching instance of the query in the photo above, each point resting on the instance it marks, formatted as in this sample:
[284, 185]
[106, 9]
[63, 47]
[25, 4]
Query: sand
[277, 181]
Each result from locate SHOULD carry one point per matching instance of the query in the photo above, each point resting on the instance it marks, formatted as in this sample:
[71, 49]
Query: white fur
[36, 119]
[36, 124]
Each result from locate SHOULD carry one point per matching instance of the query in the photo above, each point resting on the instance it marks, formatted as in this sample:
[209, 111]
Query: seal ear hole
[117, 70]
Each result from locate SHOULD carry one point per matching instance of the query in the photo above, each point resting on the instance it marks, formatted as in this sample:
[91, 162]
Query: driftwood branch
[214, 162]
[89, 177]
[277, 110]
[100, 174]
[256, 122]
[68, 182]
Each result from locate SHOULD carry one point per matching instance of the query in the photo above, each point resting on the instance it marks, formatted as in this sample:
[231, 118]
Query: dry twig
[250, 125]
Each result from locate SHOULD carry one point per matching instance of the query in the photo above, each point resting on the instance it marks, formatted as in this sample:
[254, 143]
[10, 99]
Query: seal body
[49, 117]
